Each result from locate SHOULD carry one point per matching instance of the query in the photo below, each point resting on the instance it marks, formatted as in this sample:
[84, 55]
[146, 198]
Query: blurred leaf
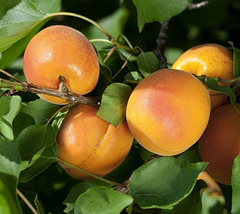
[172, 53]
[104, 80]
[163, 182]
[79, 189]
[33, 139]
[40, 110]
[6, 120]
[114, 24]
[158, 10]
[12, 29]
[147, 63]
[134, 76]
[108, 201]
[38, 205]
[42, 163]
[236, 62]
[236, 186]
[114, 102]
[212, 204]
[212, 83]
[9, 173]
[191, 155]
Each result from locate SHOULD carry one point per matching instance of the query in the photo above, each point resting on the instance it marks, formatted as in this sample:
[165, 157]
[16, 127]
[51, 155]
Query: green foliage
[28, 148]
[158, 10]
[163, 182]
[114, 102]
[236, 185]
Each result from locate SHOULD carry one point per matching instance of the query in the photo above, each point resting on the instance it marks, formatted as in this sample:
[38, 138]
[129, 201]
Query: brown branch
[161, 42]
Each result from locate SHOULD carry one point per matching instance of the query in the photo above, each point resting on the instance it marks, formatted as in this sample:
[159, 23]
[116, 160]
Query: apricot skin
[220, 143]
[211, 60]
[90, 143]
[168, 111]
[61, 50]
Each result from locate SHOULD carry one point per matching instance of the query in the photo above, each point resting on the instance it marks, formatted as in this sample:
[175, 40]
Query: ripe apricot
[90, 143]
[211, 60]
[61, 51]
[220, 143]
[168, 111]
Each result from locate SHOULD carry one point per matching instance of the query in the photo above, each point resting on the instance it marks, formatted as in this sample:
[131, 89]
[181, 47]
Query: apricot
[90, 143]
[168, 111]
[220, 143]
[61, 51]
[211, 60]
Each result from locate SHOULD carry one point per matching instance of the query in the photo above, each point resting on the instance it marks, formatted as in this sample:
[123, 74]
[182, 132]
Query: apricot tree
[105, 107]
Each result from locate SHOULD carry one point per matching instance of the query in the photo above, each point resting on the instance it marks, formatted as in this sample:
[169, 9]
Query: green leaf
[4, 105]
[236, 62]
[47, 157]
[212, 204]
[6, 5]
[6, 119]
[163, 182]
[158, 10]
[33, 139]
[47, 6]
[236, 186]
[114, 102]
[13, 29]
[9, 173]
[147, 63]
[190, 205]
[212, 83]
[133, 76]
[40, 110]
[79, 189]
[114, 24]
[108, 201]
[38, 205]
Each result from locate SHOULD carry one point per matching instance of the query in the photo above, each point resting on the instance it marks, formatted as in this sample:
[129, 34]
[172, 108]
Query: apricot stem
[26, 201]
[212, 184]
[112, 183]
[110, 38]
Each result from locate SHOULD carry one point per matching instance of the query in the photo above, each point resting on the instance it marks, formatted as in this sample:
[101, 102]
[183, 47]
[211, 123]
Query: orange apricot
[220, 143]
[211, 60]
[61, 51]
[168, 111]
[90, 143]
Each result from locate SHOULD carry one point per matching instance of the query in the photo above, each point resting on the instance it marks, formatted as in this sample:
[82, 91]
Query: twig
[26, 201]
[161, 42]
[62, 92]
[213, 187]
[123, 66]
[193, 6]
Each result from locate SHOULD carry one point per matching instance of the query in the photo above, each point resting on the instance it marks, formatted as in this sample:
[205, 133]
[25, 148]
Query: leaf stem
[110, 38]
[88, 173]
[26, 201]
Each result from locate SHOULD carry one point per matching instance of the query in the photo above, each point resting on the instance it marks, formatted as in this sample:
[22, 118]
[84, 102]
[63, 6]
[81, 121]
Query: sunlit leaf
[114, 102]
[164, 182]
[6, 119]
[108, 201]
[158, 10]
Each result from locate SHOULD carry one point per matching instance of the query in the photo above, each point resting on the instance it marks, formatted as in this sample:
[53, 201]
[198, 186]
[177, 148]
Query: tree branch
[161, 42]
[62, 92]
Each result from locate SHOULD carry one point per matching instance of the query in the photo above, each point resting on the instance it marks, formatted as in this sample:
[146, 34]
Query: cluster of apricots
[168, 111]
